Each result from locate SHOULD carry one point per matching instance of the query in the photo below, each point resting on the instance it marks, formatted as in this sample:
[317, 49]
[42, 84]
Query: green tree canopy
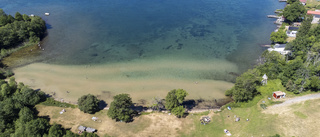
[56, 130]
[174, 99]
[88, 104]
[178, 111]
[18, 16]
[120, 108]
[246, 86]
[181, 94]
[171, 100]
[294, 11]
[279, 36]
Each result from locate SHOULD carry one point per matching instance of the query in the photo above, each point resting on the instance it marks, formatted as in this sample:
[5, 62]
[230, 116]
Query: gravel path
[298, 99]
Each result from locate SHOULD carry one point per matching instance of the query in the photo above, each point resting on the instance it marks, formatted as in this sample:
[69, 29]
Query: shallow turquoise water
[111, 31]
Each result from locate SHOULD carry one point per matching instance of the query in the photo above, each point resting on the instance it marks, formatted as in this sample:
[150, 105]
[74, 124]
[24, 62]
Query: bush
[52, 102]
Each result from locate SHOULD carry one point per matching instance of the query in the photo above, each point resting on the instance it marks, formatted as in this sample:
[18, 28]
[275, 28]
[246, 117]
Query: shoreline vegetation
[296, 74]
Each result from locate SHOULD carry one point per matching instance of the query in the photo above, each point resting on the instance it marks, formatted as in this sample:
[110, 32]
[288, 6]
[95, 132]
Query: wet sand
[142, 79]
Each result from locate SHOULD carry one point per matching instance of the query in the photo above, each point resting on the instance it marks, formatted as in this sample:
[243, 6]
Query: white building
[279, 48]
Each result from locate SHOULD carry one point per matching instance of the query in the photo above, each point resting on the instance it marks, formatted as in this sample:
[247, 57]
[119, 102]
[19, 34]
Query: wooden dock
[273, 16]
[266, 46]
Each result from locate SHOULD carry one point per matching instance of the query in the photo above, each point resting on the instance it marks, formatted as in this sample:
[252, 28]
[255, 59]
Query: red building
[278, 94]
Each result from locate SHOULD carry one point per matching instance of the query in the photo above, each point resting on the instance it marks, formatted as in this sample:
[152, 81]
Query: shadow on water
[49, 26]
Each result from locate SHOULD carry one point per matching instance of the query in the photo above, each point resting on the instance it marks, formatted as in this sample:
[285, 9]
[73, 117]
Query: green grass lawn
[259, 124]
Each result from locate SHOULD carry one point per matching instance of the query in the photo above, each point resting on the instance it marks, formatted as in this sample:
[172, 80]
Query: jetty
[273, 16]
[266, 46]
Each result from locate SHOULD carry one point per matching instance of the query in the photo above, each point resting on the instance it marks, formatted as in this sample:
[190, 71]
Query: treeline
[18, 116]
[121, 108]
[298, 71]
[14, 30]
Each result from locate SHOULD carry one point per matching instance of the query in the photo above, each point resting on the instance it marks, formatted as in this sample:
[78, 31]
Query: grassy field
[312, 4]
[258, 125]
[153, 124]
[299, 119]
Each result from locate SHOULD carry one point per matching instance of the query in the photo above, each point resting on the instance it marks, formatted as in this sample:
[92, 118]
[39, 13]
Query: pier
[273, 16]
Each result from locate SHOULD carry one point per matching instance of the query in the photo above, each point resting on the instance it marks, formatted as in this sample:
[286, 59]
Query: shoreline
[143, 81]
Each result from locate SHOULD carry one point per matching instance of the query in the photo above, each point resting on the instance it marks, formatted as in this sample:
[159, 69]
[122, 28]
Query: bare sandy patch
[143, 79]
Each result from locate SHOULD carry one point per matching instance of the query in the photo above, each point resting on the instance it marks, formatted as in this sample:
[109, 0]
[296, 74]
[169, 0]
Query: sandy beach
[142, 79]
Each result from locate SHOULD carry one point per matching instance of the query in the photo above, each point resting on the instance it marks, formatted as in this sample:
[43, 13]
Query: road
[298, 99]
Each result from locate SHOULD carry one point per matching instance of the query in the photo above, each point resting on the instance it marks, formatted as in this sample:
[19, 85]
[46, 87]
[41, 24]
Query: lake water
[180, 39]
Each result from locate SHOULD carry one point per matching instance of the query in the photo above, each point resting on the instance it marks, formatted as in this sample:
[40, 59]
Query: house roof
[304, 1]
[293, 28]
[313, 12]
[279, 93]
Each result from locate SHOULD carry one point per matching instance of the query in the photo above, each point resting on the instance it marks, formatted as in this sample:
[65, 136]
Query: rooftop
[293, 28]
[279, 93]
[313, 12]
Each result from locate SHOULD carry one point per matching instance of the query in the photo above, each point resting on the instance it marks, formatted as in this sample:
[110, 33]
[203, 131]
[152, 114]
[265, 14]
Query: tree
[246, 86]
[305, 26]
[70, 134]
[279, 37]
[171, 100]
[315, 83]
[294, 11]
[25, 115]
[37, 127]
[85, 134]
[174, 99]
[88, 104]
[18, 16]
[56, 130]
[178, 111]
[120, 108]
[181, 94]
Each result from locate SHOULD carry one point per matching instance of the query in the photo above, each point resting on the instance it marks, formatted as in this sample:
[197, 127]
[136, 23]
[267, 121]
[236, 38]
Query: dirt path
[297, 99]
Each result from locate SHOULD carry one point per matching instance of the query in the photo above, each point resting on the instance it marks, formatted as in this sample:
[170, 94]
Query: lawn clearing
[258, 124]
[298, 119]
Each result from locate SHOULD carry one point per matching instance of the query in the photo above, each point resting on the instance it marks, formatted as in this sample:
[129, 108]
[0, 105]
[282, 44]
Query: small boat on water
[47, 13]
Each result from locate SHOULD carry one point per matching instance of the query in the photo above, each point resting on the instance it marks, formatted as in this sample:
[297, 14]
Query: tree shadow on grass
[102, 104]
